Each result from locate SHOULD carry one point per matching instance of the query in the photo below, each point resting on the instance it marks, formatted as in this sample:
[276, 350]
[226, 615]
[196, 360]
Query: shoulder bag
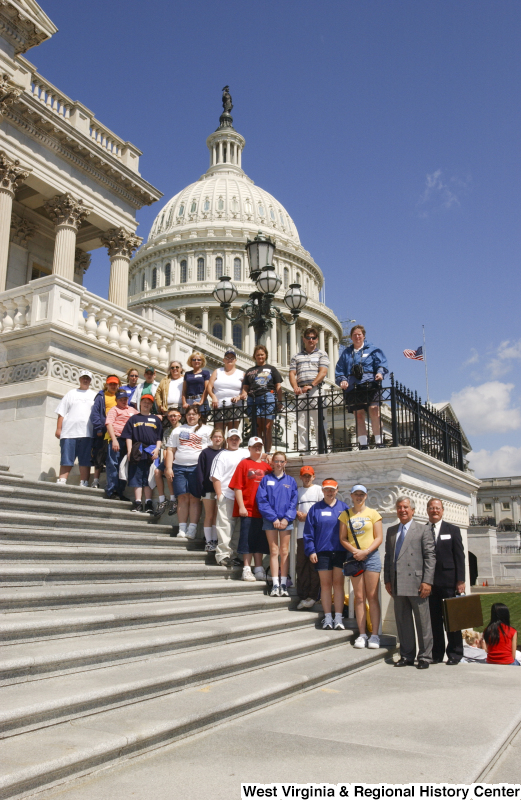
[353, 568]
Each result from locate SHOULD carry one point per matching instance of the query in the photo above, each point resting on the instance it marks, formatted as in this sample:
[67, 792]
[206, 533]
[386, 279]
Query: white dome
[224, 198]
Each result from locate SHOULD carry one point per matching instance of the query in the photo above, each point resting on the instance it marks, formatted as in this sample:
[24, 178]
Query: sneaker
[122, 497]
[61, 482]
[112, 496]
[95, 484]
[339, 625]
[247, 574]
[191, 531]
[309, 602]
[283, 591]
[275, 592]
[327, 624]
[181, 535]
[260, 574]
[361, 642]
[374, 642]
[136, 507]
[172, 507]
[237, 562]
[225, 562]
[84, 484]
[149, 508]
[212, 546]
[160, 509]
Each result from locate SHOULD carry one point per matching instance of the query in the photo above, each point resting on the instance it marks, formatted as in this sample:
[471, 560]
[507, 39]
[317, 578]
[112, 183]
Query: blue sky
[390, 132]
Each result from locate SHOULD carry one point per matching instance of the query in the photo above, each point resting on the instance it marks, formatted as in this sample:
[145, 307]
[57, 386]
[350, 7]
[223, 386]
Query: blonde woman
[170, 390]
[195, 382]
[361, 534]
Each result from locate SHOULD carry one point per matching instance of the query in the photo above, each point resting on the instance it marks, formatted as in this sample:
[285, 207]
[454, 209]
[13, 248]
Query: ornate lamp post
[259, 308]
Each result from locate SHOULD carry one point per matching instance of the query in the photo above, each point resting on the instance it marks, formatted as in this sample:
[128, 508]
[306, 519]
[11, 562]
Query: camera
[358, 371]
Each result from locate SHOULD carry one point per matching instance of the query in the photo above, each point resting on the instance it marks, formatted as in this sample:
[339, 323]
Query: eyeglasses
[175, 366]
[311, 338]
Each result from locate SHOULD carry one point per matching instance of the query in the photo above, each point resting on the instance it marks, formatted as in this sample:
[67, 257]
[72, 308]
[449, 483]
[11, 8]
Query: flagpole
[425, 360]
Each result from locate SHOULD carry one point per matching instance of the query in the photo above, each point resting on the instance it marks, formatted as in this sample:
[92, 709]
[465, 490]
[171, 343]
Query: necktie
[399, 543]
[433, 529]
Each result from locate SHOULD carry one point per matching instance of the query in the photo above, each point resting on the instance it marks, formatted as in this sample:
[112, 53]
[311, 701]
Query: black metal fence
[331, 421]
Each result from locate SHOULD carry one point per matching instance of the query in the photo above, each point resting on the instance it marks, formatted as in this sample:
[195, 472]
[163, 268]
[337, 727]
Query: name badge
[326, 513]
[151, 419]
[445, 536]
[270, 483]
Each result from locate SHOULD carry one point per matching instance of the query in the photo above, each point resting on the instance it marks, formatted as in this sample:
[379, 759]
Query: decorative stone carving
[120, 242]
[64, 209]
[11, 174]
[81, 261]
[21, 230]
[66, 371]
[9, 92]
[23, 372]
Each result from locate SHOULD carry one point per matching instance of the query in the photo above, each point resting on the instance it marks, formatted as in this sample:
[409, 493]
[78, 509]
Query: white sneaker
[327, 624]
[260, 574]
[192, 530]
[61, 481]
[374, 642]
[95, 484]
[84, 484]
[338, 625]
[247, 574]
[361, 642]
[309, 602]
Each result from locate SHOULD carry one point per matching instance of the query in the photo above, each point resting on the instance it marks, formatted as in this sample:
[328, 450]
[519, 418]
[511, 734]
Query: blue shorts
[72, 449]
[267, 525]
[329, 559]
[138, 473]
[265, 406]
[185, 480]
[161, 467]
[373, 562]
[252, 538]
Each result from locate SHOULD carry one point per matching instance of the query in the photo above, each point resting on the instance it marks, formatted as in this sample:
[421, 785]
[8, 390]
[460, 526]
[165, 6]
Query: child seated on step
[499, 638]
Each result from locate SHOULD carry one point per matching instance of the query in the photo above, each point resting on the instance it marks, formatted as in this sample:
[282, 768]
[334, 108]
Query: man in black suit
[449, 580]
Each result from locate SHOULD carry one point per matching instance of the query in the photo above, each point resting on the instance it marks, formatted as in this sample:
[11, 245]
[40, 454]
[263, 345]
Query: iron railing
[482, 522]
[403, 420]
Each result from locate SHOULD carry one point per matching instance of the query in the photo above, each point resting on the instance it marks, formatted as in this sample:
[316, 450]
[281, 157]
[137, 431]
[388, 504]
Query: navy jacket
[277, 498]
[322, 528]
[98, 414]
[204, 466]
[372, 359]
[450, 556]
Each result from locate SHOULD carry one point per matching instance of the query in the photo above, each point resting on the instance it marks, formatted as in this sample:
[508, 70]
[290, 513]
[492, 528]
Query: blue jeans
[114, 482]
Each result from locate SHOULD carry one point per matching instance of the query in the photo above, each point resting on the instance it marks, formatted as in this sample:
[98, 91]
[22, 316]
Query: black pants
[455, 639]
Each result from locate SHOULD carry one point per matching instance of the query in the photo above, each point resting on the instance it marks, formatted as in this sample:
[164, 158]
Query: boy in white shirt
[222, 471]
[308, 582]
[74, 429]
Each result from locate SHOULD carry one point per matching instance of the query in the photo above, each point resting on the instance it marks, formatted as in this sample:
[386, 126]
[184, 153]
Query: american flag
[417, 355]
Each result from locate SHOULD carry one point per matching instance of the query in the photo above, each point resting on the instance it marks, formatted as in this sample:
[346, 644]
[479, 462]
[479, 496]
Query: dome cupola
[225, 144]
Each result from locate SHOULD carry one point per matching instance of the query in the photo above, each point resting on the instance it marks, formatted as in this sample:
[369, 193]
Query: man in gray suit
[410, 561]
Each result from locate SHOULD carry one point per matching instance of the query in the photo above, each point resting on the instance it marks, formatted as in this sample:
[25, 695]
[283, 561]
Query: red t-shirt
[247, 477]
[501, 653]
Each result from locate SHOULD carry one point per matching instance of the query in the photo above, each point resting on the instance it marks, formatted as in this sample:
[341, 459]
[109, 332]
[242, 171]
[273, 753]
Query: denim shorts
[267, 525]
[264, 404]
[373, 562]
[252, 538]
[72, 449]
[185, 480]
[138, 473]
[329, 559]
[162, 466]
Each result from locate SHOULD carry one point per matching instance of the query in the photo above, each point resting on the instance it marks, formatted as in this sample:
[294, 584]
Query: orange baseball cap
[307, 471]
[330, 482]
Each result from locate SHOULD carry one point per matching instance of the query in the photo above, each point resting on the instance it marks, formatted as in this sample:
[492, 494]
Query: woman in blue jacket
[277, 498]
[103, 402]
[362, 363]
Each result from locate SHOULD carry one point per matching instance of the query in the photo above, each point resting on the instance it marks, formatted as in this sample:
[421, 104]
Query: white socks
[259, 569]
[161, 498]
[362, 440]
[329, 618]
[182, 527]
[208, 534]
[338, 617]
[378, 439]
[192, 528]
[276, 582]
[283, 580]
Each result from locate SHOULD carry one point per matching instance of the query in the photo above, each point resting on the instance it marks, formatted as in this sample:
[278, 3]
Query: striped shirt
[306, 365]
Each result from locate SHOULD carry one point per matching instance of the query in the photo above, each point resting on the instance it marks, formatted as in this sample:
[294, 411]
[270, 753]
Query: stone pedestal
[389, 473]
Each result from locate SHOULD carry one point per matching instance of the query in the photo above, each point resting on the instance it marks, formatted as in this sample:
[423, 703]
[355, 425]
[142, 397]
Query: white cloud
[486, 408]
[507, 353]
[440, 193]
[472, 359]
[496, 463]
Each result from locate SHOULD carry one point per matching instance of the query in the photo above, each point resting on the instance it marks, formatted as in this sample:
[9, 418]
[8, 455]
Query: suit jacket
[450, 556]
[416, 562]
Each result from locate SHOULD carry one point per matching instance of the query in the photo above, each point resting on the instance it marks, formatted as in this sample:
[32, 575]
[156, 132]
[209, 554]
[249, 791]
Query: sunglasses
[311, 338]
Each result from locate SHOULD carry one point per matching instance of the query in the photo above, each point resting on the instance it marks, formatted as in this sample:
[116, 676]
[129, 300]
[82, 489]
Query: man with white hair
[410, 561]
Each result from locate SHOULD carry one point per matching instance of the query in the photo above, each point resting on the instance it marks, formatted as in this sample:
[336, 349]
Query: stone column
[274, 343]
[121, 245]
[81, 264]
[246, 346]
[321, 339]
[67, 213]
[182, 314]
[497, 510]
[335, 352]
[292, 340]
[331, 373]
[205, 310]
[228, 338]
[11, 176]
[283, 345]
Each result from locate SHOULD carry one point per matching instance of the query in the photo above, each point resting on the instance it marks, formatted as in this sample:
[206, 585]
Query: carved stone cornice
[21, 230]
[120, 242]
[8, 93]
[11, 173]
[24, 25]
[81, 261]
[64, 209]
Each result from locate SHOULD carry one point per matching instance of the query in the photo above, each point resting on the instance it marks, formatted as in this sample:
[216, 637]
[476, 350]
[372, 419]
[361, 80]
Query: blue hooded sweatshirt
[322, 528]
[98, 414]
[277, 498]
[372, 359]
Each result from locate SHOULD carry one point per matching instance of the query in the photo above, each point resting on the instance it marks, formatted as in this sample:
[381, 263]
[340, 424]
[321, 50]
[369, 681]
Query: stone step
[53, 596]
[5, 474]
[78, 552]
[46, 572]
[40, 626]
[18, 534]
[50, 486]
[39, 502]
[34, 662]
[44, 757]
[138, 523]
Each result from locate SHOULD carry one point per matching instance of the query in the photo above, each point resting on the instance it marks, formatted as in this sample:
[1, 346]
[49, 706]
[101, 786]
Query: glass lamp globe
[225, 291]
[268, 281]
[295, 298]
[260, 252]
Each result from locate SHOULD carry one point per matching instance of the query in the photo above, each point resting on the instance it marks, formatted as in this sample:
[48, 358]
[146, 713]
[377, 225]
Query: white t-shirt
[227, 386]
[189, 443]
[175, 387]
[224, 465]
[307, 498]
[75, 408]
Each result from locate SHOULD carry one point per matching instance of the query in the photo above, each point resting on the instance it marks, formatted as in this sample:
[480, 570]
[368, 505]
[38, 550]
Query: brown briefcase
[462, 612]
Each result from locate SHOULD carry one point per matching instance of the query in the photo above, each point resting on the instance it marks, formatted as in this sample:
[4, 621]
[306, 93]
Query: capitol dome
[200, 235]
